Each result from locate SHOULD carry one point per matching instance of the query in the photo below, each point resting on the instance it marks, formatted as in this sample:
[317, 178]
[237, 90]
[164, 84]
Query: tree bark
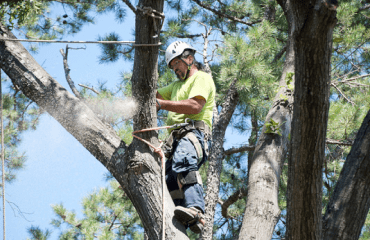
[136, 167]
[262, 210]
[311, 31]
[215, 160]
[349, 205]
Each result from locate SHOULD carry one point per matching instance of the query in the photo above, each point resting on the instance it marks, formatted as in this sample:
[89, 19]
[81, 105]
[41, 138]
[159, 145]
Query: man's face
[179, 67]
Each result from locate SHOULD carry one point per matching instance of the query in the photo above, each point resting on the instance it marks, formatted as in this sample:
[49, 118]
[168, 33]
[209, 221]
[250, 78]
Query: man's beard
[180, 75]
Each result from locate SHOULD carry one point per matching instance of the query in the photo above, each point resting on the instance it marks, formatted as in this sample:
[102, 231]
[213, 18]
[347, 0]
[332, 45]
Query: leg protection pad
[189, 178]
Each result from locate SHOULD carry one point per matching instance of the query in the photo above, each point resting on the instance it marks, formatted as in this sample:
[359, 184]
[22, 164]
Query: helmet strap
[189, 67]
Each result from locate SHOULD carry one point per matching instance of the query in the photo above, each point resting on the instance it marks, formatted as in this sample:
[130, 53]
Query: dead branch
[66, 71]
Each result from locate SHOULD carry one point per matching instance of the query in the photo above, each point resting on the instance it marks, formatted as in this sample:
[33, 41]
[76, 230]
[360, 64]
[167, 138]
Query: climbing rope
[2, 155]
[83, 42]
[154, 14]
[159, 151]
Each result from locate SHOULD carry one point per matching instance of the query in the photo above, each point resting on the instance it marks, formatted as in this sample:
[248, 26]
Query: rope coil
[154, 14]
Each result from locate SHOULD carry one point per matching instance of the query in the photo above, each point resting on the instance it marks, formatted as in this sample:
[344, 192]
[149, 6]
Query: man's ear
[190, 58]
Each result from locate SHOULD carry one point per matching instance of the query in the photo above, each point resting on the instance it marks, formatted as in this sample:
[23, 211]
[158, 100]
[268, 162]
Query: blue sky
[58, 168]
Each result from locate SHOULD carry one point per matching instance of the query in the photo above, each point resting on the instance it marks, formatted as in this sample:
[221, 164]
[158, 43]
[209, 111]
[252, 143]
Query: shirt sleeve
[166, 92]
[202, 86]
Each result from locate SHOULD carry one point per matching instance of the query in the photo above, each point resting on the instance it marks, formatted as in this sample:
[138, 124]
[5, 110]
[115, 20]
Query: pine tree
[257, 59]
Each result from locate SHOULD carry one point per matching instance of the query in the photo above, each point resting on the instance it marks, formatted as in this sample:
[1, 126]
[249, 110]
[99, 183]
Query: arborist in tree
[190, 100]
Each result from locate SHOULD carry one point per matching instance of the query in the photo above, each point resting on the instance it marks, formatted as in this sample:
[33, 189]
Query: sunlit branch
[240, 149]
[91, 88]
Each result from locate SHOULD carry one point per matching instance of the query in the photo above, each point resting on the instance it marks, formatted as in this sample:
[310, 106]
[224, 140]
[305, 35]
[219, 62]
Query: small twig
[91, 88]
[349, 100]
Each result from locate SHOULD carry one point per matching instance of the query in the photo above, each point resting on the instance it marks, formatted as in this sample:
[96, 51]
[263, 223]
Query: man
[190, 99]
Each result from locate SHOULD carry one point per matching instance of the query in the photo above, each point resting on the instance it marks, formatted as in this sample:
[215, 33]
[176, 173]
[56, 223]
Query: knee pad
[184, 179]
[189, 178]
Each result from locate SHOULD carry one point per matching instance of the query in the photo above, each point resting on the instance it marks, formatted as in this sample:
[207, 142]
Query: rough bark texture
[311, 30]
[349, 205]
[136, 167]
[262, 211]
[215, 160]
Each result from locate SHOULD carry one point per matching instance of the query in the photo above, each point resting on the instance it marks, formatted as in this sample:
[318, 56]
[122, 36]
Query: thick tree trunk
[312, 29]
[262, 211]
[215, 160]
[141, 175]
[349, 205]
[135, 167]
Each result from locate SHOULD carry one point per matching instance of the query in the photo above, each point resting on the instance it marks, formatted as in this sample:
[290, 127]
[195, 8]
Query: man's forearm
[188, 106]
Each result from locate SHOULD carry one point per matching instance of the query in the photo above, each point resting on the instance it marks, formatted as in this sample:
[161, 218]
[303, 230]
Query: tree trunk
[349, 205]
[262, 210]
[135, 167]
[311, 32]
[215, 160]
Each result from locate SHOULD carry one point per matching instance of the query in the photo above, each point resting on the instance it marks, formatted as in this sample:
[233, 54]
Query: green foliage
[20, 12]
[273, 127]
[246, 53]
[108, 214]
[37, 234]
[289, 80]
[19, 115]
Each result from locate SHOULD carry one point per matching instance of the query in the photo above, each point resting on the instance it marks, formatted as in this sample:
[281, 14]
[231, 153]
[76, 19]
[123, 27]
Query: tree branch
[240, 149]
[66, 71]
[332, 141]
[232, 199]
[128, 3]
[367, 6]
[341, 93]
[280, 54]
[350, 80]
[91, 88]
[235, 19]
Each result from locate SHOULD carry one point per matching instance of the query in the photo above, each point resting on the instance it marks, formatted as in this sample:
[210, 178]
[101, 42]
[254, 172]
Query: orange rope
[159, 151]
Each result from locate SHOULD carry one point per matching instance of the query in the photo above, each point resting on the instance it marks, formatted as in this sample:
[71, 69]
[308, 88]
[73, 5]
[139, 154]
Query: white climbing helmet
[176, 49]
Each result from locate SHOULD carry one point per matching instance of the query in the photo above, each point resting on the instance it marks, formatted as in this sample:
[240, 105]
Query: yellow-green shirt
[199, 84]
